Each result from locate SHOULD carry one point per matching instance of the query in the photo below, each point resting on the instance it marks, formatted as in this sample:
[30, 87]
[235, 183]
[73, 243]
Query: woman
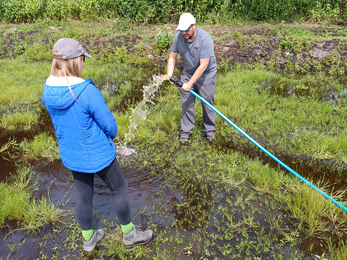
[85, 128]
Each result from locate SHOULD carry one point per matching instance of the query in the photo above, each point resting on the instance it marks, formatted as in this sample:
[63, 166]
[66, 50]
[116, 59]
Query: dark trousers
[113, 177]
[206, 89]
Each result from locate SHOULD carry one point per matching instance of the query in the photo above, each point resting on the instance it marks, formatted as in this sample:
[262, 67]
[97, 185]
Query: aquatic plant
[42, 146]
[19, 204]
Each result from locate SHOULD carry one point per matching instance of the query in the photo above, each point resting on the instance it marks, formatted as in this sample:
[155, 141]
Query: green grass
[297, 125]
[19, 120]
[19, 205]
[22, 80]
[41, 147]
[257, 207]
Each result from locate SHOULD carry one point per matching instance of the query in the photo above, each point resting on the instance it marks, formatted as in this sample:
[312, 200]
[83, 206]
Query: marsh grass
[22, 80]
[42, 146]
[257, 210]
[19, 204]
[22, 121]
[249, 186]
[250, 201]
[294, 124]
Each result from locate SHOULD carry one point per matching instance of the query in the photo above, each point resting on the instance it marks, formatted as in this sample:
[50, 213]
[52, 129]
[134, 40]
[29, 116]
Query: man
[195, 46]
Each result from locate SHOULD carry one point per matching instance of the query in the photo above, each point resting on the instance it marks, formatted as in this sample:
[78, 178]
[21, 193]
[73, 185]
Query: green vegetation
[18, 203]
[286, 112]
[23, 121]
[42, 146]
[258, 211]
[164, 11]
[21, 80]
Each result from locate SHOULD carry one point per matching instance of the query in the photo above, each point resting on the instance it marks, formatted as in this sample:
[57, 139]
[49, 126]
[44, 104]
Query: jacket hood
[60, 97]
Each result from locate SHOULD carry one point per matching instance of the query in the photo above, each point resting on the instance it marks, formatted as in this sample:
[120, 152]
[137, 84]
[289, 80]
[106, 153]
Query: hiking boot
[210, 139]
[184, 141]
[137, 237]
[96, 238]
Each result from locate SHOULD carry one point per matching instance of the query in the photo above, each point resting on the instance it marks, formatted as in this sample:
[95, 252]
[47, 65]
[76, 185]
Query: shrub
[164, 41]
[23, 10]
[154, 11]
[59, 10]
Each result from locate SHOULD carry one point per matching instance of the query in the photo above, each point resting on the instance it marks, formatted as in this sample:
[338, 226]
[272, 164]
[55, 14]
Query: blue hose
[175, 80]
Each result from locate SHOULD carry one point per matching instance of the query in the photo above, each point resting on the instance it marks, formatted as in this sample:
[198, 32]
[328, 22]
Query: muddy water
[7, 163]
[142, 188]
[329, 88]
[320, 88]
[314, 172]
[56, 179]
[146, 190]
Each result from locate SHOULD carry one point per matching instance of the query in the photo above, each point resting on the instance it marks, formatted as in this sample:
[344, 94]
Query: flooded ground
[152, 200]
[56, 179]
[185, 215]
[194, 212]
[317, 172]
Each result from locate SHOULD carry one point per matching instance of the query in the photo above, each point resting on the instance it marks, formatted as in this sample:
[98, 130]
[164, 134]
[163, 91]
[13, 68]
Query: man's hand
[186, 86]
[168, 77]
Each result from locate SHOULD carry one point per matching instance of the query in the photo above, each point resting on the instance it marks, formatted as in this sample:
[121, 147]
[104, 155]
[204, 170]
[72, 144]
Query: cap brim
[87, 55]
[182, 28]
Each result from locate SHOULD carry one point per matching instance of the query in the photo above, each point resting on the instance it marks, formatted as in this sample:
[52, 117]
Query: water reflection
[328, 88]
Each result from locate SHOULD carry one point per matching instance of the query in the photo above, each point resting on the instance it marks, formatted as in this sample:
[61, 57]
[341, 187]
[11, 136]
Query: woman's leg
[113, 177]
[85, 190]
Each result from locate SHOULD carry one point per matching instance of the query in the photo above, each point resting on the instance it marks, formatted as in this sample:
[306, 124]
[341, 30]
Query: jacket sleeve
[99, 111]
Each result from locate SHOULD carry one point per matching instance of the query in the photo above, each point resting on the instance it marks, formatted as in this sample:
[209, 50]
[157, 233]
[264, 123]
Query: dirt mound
[297, 48]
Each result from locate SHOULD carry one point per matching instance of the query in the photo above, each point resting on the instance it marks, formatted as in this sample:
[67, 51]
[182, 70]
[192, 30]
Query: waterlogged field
[227, 200]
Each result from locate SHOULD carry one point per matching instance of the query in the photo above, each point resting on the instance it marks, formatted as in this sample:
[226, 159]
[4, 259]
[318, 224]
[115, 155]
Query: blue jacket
[85, 129]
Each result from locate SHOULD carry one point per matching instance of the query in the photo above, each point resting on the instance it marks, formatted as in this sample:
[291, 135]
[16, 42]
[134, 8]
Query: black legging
[113, 177]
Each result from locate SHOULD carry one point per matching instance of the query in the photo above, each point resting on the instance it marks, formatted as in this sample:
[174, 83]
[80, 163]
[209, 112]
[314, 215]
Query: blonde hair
[65, 68]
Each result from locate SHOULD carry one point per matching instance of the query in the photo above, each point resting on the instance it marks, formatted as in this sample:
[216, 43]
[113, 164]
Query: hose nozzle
[175, 80]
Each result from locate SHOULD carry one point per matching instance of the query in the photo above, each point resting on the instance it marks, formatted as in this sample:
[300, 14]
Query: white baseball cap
[186, 20]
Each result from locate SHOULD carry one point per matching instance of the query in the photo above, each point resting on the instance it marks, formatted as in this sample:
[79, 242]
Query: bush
[155, 11]
[279, 10]
[59, 10]
[164, 41]
[24, 10]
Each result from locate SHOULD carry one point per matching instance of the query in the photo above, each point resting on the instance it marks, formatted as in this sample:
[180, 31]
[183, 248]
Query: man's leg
[188, 109]
[206, 89]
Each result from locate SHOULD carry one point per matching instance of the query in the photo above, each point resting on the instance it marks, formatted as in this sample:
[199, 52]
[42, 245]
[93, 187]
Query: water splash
[139, 113]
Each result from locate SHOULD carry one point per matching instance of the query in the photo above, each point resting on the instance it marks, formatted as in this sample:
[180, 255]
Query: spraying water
[139, 113]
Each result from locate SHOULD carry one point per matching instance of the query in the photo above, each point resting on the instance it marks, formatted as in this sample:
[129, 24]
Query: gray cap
[69, 49]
